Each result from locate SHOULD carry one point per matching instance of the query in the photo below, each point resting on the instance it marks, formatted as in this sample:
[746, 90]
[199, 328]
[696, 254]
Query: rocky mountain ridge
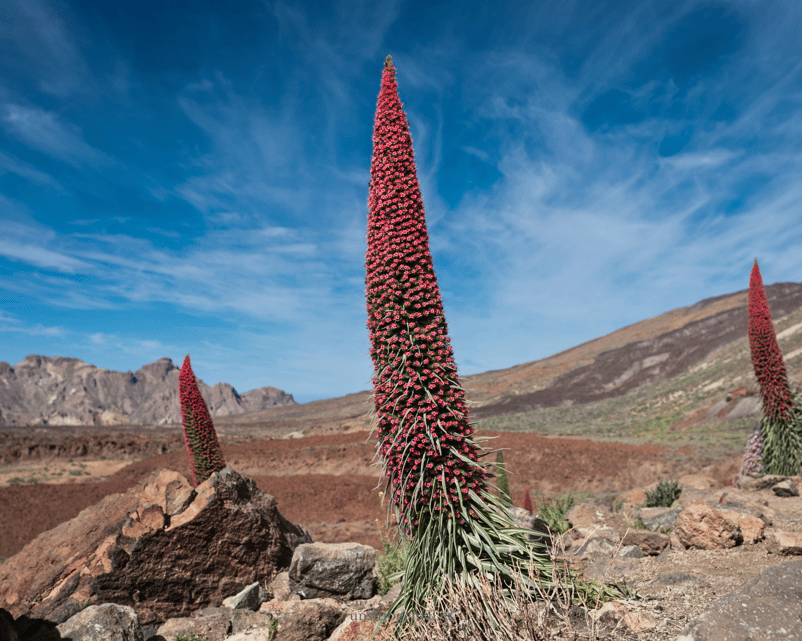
[43, 390]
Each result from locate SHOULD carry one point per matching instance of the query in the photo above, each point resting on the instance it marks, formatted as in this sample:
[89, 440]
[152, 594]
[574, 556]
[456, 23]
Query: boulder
[358, 628]
[767, 606]
[162, 548]
[756, 483]
[342, 570]
[280, 587]
[590, 514]
[315, 624]
[784, 544]
[528, 521]
[246, 620]
[703, 527]
[786, 488]
[735, 501]
[630, 552]
[752, 528]
[312, 617]
[655, 518]
[248, 599]
[648, 542]
[596, 546]
[212, 623]
[107, 622]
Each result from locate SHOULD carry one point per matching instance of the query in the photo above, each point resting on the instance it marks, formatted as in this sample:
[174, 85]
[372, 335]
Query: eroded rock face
[161, 548]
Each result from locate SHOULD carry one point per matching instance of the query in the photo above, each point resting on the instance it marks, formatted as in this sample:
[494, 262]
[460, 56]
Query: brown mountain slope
[651, 351]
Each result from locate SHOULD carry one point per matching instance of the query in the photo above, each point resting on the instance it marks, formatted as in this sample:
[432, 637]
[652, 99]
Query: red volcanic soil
[328, 485]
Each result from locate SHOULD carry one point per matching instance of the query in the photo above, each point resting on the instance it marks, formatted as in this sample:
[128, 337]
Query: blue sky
[192, 177]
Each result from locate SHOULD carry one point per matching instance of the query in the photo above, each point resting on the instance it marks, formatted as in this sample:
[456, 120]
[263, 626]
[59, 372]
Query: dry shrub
[550, 615]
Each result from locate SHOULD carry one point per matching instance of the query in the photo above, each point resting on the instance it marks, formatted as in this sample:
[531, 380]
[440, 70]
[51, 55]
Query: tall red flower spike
[455, 526]
[528, 502]
[205, 456]
[424, 436]
[767, 358]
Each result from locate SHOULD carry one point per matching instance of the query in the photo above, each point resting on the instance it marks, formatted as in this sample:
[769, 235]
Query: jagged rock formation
[43, 390]
[163, 548]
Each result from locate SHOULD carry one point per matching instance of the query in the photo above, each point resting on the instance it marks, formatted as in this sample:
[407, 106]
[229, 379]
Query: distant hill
[702, 348]
[43, 390]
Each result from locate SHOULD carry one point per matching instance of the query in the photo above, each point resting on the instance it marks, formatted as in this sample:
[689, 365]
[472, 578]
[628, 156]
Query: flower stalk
[205, 456]
[528, 503]
[779, 443]
[430, 457]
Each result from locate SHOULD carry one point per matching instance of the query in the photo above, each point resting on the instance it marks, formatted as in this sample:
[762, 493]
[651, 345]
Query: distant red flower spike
[528, 502]
[767, 358]
[205, 456]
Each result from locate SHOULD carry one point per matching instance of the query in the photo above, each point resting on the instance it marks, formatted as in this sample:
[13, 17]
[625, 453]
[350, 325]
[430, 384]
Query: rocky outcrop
[163, 548]
[42, 390]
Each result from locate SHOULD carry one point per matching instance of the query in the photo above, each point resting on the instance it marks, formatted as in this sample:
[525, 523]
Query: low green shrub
[391, 564]
[663, 495]
[553, 511]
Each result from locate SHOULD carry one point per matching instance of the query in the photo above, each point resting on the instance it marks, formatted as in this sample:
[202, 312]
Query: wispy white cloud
[691, 161]
[41, 41]
[11, 324]
[24, 170]
[44, 131]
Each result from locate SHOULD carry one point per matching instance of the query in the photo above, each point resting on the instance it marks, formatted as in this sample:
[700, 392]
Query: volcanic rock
[162, 548]
[784, 543]
[343, 570]
[213, 624]
[786, 488]
[107, 622]
[591, 514]
[703, 527]
[650, 543]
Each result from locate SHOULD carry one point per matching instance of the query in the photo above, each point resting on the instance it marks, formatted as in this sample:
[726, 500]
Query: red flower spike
[399, 278]
[766, 356]
[205, 456]
[528, 502]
